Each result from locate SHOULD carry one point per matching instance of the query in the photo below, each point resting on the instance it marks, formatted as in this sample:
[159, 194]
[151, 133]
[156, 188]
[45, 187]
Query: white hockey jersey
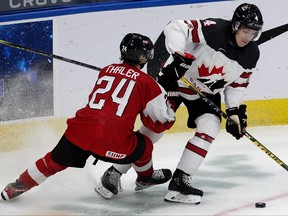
[219, 65]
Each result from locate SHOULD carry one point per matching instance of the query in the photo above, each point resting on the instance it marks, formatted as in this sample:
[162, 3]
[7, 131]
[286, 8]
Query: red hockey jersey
[120, 94]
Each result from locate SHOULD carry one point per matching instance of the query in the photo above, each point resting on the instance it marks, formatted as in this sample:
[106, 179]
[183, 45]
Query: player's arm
[157, 118]
[182, 35]
[236, 122]
[176, 36]
[235, 92]
[158, 114]
[237, 116]
[171, 73]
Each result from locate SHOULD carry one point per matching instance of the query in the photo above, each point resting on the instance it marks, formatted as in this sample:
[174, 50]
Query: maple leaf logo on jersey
[204, 71]
[213, 78]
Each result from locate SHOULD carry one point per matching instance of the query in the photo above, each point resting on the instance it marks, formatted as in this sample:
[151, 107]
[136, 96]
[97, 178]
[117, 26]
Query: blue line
[92, 7]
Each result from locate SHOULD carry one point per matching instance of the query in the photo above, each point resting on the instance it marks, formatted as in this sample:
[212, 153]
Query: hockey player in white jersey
[226, 56]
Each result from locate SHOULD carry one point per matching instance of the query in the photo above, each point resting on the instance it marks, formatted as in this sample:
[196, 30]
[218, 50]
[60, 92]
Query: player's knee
[48, 166]
[209, 124]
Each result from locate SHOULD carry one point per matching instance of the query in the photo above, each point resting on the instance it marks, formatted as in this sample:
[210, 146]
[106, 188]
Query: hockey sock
[28, 180]
[194, 153]
[122, 168]
[144, 165]
[144, 168]
[47, 166]
[40, 171]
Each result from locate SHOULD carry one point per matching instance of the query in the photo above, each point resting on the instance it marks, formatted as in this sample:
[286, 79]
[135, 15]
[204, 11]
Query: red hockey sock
[40, 171]
[28, 180]
[47, 166]
[144, 165]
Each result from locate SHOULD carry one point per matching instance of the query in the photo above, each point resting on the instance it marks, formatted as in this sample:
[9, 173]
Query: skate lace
[115, 180]
[187, 180]
[158, 174]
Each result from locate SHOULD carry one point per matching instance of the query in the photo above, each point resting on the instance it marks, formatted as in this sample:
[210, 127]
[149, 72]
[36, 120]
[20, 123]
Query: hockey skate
[13, 190]
[157, 177]
[181, 190]
[110, 183]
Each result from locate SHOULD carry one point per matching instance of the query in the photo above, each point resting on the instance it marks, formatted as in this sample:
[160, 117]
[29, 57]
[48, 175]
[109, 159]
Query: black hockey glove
[236, 122]
[174, 71]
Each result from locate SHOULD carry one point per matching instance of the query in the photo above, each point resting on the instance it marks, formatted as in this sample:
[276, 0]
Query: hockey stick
[186, 82]
[272, 33]
[225, 116]
[49, 55]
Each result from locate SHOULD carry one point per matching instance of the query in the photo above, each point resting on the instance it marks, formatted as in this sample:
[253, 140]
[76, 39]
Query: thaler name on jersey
[112, 69]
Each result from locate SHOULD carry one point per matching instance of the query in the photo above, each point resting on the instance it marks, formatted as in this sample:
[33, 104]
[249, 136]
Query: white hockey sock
[194, 153]
[122, 168]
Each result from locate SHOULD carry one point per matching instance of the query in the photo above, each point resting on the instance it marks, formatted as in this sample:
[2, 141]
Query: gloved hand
[236, 122]
[174, 71]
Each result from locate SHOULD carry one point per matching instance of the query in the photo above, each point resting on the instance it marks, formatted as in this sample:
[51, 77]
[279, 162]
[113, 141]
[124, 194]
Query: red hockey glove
[236, 122]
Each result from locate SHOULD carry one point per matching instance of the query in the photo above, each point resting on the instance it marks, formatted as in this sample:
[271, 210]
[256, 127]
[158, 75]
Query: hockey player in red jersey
[226, 56]
[110, 181]
[104, 127]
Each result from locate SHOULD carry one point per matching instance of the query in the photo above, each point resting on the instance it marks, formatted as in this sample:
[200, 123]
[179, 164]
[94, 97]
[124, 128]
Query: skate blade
[4, 196]
[174, 196]
[100, 189]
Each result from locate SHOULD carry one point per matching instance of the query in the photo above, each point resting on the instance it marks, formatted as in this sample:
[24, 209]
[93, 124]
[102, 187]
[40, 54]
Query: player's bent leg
[109, 191]
[110, 184]
[147, 176]
[180, 187]
[33, 176]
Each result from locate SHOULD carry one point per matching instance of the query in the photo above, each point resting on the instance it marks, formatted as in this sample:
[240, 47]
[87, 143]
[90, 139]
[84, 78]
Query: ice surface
[234, 176]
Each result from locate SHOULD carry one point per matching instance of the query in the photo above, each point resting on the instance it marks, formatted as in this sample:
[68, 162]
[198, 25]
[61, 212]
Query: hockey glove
[236, 122]
[174, 71]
